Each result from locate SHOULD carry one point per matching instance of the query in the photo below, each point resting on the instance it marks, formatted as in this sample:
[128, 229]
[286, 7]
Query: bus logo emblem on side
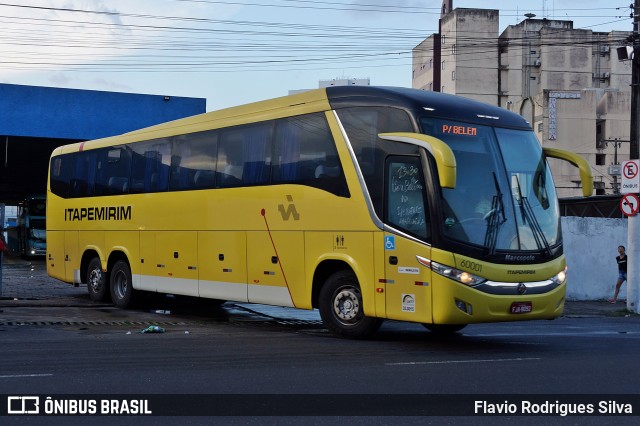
[290, 211]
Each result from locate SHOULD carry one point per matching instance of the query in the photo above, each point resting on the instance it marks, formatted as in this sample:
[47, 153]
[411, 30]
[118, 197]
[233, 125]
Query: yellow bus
[363, 202]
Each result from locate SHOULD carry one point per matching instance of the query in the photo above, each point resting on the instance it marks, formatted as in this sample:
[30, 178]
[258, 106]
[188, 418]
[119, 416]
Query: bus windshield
[37, 207]
[505, 198]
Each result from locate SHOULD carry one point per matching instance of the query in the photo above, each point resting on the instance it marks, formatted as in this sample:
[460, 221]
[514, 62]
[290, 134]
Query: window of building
[601, 159]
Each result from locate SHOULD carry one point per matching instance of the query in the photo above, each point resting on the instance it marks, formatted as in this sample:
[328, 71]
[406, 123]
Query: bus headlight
[453, 273]
[560, 277]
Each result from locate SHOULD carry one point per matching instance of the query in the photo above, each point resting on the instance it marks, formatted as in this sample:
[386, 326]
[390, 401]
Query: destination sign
[459, 130]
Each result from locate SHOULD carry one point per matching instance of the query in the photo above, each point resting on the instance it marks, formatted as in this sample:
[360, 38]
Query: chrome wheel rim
[120, 284]
[95, 280]
[346, 305]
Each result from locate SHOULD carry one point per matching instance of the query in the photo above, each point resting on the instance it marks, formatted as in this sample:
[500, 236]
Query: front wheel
[122, 292]
[341, 307]
[96, 281]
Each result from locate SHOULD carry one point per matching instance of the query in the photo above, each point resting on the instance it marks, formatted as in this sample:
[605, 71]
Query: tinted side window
[244, 155]
[82, 181]
[305, 153]
[150, 166]
[113, 171]
[405, 202]
[60, 174]
[193, 161]
[363, 124]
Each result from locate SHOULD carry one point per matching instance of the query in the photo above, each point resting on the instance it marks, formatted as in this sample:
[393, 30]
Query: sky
[239, 51]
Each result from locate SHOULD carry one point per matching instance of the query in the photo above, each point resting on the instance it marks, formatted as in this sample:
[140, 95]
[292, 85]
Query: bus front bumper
[456, 303]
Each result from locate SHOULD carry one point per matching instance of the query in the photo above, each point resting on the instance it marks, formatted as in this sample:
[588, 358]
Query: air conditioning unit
[604, 49]
[615, 169]
[605, 75]
[537, 63]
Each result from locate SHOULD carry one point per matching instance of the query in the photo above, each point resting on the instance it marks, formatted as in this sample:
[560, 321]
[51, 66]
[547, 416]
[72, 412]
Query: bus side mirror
[585, 169]
[445, 160]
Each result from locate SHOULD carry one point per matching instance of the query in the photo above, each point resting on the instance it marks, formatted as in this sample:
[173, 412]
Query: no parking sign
[630, 177]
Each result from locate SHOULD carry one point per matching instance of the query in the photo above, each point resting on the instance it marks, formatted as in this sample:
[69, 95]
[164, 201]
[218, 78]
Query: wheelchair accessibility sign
[389, 242]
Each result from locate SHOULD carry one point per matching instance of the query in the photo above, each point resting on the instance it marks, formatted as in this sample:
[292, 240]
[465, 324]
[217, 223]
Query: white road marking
[14, 376]
[466, 361]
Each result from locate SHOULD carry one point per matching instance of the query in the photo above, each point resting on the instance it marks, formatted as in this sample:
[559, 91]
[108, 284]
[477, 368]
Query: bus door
[55, 255]
[71, 256]
[408, 284]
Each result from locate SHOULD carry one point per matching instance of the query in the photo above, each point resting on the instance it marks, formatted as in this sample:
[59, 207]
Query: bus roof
[434, 104]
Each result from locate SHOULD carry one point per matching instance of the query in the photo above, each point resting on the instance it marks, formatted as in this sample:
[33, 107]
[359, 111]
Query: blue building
[36, 120]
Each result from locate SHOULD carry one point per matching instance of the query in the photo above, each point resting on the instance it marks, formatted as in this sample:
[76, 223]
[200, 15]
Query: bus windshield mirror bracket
[445, 159]
[586, 175]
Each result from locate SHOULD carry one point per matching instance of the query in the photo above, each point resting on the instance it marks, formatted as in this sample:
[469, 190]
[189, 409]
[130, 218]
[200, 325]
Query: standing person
[622, 272]
[3, 245]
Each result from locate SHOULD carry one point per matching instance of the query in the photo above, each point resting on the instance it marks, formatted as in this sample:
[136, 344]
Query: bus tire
[120, 283]
[96, 281]
[341, 309]
[444, 328]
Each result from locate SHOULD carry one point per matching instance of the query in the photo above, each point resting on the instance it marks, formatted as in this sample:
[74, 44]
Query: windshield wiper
[493, 217]
[529, 216]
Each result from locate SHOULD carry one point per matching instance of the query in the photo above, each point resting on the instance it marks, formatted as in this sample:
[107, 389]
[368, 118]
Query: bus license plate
[521, 307]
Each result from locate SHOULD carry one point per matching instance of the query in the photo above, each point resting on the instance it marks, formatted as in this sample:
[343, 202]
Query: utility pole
[633, 238]
[635, 84]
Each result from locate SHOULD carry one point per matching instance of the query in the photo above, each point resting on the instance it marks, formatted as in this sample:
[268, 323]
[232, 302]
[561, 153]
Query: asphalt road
[233, 350]
[249, 351]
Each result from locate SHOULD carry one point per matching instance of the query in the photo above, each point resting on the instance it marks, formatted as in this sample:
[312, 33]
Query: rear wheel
[444, 328]
[122, 292]
[341, 307]
[96, 281]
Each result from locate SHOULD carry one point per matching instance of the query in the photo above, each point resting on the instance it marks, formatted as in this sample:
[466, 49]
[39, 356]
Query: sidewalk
[26, 283]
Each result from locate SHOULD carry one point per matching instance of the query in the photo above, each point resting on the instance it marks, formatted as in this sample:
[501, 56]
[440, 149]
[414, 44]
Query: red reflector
[521, 307]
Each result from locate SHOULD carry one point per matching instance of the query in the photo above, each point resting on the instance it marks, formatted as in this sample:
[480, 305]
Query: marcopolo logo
[289, 211]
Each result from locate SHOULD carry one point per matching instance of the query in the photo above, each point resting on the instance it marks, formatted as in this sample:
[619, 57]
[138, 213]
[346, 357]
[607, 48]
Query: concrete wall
[590, 246]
